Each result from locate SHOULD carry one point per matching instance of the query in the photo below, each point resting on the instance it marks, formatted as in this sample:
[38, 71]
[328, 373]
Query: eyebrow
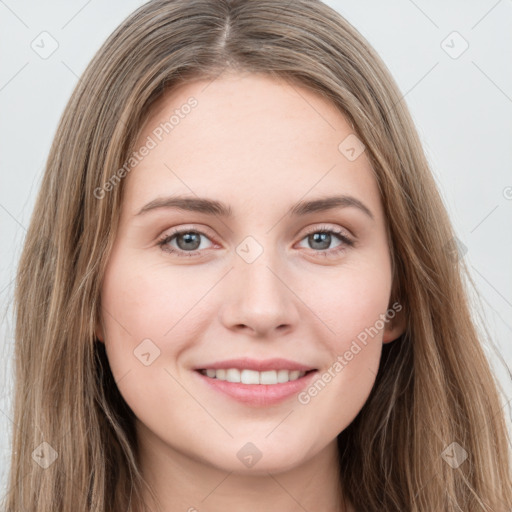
[213, 207]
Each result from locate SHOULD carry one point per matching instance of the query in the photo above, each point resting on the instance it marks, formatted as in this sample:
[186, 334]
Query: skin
[260, 145]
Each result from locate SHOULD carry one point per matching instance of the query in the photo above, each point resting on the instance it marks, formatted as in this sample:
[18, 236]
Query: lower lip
[259, 394]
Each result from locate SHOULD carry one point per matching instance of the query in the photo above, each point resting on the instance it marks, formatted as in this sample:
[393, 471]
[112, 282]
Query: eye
[188, 242]
[321, 237]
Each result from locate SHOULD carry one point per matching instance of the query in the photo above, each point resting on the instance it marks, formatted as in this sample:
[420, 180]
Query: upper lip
[246, 363]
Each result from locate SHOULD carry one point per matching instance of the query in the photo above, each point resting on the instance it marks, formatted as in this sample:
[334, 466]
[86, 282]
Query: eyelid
[188, 227]
[326, 227]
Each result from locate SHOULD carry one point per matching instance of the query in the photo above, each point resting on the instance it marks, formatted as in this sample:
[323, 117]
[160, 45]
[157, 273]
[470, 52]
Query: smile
[254, 382]
[270, 377]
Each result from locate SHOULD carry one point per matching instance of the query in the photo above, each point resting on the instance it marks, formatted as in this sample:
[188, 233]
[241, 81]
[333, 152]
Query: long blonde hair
[434, 387]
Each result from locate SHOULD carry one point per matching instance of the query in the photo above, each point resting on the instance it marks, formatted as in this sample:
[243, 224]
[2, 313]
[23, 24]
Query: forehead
[249, 140]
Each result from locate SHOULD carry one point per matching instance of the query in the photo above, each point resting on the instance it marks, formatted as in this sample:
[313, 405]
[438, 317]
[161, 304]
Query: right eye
[186, 238]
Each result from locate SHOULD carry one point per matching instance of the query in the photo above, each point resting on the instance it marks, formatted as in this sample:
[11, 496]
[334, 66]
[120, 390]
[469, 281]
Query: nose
[259, 300]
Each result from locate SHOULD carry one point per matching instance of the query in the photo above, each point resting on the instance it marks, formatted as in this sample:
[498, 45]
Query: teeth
[269, 377]
[233, 375]
[254, 377]
[249, 377]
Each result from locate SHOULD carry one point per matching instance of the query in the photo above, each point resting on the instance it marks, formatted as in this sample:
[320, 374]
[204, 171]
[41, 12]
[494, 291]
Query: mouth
[257, 383]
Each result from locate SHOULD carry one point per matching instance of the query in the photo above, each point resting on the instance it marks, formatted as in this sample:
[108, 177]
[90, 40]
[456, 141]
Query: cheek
[144, 309]
[351, 303]
[351, 307]
[148, 300]
[152, 313]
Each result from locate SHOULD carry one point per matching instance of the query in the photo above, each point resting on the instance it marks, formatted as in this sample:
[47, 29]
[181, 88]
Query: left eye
[324, 237]
[189, 241]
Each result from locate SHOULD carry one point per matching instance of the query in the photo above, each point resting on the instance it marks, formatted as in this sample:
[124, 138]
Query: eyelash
[162, 243]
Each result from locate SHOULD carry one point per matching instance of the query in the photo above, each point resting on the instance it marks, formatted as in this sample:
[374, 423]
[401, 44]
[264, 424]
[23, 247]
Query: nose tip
[259, 300]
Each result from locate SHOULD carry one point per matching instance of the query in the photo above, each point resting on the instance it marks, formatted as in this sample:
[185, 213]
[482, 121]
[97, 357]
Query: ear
[395, 325]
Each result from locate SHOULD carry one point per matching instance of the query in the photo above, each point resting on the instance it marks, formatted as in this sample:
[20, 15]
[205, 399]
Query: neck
[183, 483]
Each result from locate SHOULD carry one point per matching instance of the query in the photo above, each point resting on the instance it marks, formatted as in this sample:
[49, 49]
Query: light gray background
[462, 108]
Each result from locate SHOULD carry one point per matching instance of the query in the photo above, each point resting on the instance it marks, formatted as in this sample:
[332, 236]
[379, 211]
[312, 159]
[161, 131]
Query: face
[289, 300]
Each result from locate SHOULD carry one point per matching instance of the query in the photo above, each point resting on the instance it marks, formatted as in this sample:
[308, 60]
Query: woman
[259, 370]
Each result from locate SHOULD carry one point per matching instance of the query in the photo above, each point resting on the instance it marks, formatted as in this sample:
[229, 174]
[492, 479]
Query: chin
[261, 457]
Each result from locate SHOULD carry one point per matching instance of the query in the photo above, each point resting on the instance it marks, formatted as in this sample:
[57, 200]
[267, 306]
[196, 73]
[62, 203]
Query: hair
[434, 386]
